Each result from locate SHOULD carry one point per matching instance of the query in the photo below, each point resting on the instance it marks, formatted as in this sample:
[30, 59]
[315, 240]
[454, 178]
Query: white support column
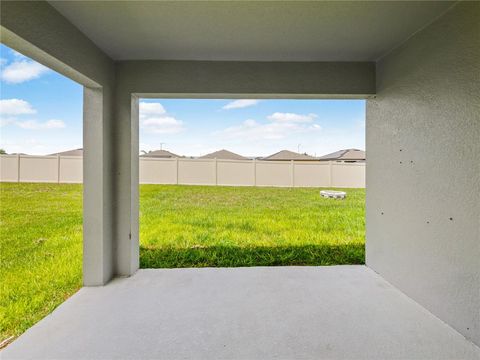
[216, 172]
[126, 193]
[254, 172]
[97, 214]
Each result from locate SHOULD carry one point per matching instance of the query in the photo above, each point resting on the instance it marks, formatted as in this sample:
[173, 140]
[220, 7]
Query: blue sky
[41, 113]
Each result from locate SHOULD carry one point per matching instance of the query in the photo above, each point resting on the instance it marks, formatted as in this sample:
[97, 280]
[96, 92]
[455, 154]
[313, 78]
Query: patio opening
[40, 191]
[233, 183]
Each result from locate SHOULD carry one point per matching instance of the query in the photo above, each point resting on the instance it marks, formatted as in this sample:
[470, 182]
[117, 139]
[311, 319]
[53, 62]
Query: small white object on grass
[333, 194]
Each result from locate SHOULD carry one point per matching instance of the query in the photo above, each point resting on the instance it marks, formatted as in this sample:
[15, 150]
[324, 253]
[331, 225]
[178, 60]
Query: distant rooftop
[160, 154]
[345, 155]
[74, 152]
[223, 154]
[286, 155]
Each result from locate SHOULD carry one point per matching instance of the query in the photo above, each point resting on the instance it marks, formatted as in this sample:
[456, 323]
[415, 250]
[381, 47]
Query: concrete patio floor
[338, 312]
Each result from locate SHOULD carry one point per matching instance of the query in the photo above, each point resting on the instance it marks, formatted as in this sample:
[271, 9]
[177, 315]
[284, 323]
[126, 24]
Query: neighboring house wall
[68, 169]
[423, 141]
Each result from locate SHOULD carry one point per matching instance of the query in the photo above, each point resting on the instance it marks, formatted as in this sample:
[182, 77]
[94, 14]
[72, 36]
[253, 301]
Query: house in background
[74, 152]
[348, 156]
[162, 154]
[224, 155]
[287, 155]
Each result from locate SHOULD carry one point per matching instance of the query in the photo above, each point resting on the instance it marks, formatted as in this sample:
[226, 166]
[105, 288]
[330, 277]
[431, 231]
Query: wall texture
[156, 78]
[423, 180]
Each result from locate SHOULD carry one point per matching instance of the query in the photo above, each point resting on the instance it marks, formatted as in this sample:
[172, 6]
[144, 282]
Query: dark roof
[74, 152]
[160, 154]
[286, 155]
[223, 154]
[347, 154]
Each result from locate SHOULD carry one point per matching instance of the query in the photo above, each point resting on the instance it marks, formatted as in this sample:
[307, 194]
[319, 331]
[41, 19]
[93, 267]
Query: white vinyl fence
[68, 169]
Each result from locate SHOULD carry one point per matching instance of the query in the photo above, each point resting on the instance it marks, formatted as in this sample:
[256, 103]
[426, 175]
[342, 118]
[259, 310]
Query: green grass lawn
[180, 226]
[187, 226]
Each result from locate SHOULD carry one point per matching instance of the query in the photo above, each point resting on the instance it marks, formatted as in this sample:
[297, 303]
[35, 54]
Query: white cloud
[36, 125]
[291, 117]
[147, 108]
[15, 107]
[253, 130]
[154, 119]
[35, 144]
[4, 121]
[11, 109]
[238, 104]
[282, 126]
[162, 125]
[22, 70]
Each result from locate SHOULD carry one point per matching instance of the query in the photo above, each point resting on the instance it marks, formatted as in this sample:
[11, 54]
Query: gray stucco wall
[423, 177]
[152, 78]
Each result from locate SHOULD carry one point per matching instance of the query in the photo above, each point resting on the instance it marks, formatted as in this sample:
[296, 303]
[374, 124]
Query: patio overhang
[417, 63]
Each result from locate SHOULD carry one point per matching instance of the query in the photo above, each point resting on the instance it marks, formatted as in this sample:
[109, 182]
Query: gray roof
[347, 154]
[286, 155]
[74, 152]
[223, 154]
[160, 154]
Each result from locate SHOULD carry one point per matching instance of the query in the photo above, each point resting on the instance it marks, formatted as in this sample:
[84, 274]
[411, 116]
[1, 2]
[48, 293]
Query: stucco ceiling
[249, 31]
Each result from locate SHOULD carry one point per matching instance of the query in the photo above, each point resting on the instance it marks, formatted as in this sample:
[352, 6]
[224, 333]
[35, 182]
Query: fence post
[292, 171]
[254, 172]
[18, 167]
[58, 168]
[176, 170]
[330, 176]
[216, 172]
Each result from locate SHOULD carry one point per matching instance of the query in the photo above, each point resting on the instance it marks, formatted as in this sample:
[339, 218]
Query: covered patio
[418, 66]
[333, 312]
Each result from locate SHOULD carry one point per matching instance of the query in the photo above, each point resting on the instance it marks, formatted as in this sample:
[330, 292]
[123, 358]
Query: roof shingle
[223, 154]
[286, 155]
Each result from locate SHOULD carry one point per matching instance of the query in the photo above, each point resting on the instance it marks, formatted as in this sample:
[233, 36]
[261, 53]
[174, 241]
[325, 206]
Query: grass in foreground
[40, 251]
[181, 226]
[195, 226]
